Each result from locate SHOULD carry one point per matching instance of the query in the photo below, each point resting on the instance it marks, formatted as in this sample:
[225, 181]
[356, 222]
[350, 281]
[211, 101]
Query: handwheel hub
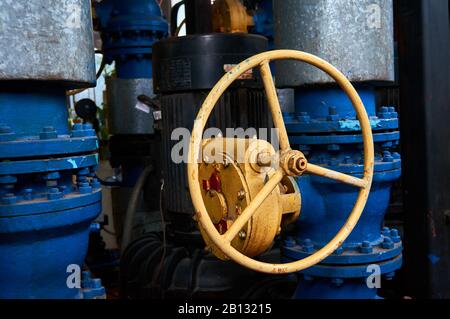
[228, 186]
[293, 163]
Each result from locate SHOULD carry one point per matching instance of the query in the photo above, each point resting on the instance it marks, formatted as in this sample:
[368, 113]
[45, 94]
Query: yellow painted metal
[294, 162]
[274, 105]
[292, 200]
[230, 16]
[346, 179]
[230, 184]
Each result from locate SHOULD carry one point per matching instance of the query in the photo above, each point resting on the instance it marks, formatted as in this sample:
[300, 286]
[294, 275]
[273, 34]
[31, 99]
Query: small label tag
[247, 75]
[142, 107]
[157, 115]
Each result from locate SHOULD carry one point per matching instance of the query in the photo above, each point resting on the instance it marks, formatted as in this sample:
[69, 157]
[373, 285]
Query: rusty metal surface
[355, 36]
[49, 40]
[126, 114]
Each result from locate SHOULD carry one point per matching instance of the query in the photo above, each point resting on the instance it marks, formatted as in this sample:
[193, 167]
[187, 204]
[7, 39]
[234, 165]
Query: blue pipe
[317, 102]
[263, 19]
[129, 30]
[325, 128]
[46, 105]
[48, 192]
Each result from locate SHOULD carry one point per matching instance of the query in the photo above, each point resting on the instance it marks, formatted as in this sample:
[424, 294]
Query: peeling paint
[355, 125]
[73, 163]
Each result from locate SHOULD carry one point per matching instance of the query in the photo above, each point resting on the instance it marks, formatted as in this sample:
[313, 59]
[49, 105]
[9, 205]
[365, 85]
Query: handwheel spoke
[248, 212]
[274, 105]
[328, 173]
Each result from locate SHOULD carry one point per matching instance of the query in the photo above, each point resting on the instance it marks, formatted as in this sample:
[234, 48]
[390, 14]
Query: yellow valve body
[230, 180]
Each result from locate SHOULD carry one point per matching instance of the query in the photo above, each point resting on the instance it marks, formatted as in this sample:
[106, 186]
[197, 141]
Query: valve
[231, 16]
[243, 189]
[229, 185]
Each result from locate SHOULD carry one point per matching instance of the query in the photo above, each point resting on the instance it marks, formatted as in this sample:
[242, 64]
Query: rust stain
[432, 224]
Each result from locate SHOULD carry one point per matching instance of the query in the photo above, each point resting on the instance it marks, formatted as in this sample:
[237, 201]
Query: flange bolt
[4, 129]
[386, 231]
[289, 242]
[387, 157]
[339, 251]
[48, 133]
[387, 243]
[303, 117]
[95, 183]
[54, 193]
[28, 194]
[308, 245]
[366, 247]
[84, 188]
[395, 236]
[9, 199]
[338, 282]
[332, 114]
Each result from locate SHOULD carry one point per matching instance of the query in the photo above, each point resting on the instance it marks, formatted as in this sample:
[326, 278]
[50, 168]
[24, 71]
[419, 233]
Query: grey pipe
[357, 37]
[132, 206]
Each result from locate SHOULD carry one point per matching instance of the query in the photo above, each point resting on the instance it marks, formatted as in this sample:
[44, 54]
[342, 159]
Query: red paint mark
[215, 183]
[222, 226]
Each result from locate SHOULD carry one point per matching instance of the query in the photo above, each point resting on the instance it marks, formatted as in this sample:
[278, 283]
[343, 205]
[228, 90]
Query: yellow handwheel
[292, 162]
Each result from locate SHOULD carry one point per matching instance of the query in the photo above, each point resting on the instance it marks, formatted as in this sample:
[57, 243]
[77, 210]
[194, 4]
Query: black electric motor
[185, 70]
[174, 264]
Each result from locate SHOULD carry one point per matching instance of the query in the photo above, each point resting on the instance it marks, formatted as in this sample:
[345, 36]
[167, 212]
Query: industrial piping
[48, 191]
[128, 30]
[358, 40]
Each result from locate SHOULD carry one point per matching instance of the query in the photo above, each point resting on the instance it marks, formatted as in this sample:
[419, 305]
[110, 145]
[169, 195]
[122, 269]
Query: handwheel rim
[195, 149]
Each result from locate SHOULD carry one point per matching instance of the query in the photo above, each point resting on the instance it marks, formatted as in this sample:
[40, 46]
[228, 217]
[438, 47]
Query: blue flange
[325, 128]
[391, 137]
[48, 164]
[35, 251]
[48, 193]
[92, 287]
[129, 29]
[304, 124]
[366, 252]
